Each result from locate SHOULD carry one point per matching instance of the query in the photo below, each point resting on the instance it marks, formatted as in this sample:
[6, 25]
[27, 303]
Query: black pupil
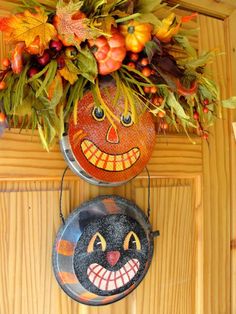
[132, 243]
[97, 244]
[126, 119]
[99, 113]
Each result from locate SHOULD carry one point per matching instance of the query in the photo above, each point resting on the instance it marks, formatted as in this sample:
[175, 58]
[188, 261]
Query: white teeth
[107, 280]
[127, 267]
[131, 273]
[107, 274]
[92, 276]
[112, 276]
[126, 279]
[103, 285]
[119, 283]
[111, 285]
[96, 282]
[103, 272]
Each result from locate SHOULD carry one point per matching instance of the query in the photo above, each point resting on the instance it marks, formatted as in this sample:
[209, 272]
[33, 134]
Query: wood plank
[30, 220]
[174, 265]
[230, 25]
[29, 223]
[22, 157]
[216, 182]
[214, 8]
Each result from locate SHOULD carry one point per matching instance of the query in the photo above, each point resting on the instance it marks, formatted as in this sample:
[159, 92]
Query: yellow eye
[97, 243]
[132, 242]
[126, 120]
[98, 114]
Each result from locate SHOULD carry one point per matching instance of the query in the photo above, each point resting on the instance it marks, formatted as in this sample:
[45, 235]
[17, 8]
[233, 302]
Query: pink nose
[113, 257]
[112, 135]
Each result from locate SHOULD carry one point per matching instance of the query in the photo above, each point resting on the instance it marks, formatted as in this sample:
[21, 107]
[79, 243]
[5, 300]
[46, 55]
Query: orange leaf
[188, 18]
[25, 27]
[72, 24]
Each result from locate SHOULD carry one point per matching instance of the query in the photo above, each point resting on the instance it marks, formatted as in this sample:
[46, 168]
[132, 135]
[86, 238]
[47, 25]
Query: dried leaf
[27, 26]
[72, 25]
[55, 90]
[69, 72]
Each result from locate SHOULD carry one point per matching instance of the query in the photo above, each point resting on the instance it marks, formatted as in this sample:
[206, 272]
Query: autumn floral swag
[60, 51]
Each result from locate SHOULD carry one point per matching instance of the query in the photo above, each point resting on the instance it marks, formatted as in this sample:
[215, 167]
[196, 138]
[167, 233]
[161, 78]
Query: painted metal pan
[105, 151]
[103, 251]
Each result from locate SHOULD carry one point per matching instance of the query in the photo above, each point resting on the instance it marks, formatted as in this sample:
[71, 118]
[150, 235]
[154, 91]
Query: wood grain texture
[173, 273]
[22, 157]
[204, 286]
[230, 25]
[214, 8]
[216, 182]
[30, 220]
[28, 228]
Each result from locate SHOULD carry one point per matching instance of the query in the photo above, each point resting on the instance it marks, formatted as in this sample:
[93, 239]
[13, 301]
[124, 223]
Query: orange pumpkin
[136, 35]
[109, 52]
[101, 153]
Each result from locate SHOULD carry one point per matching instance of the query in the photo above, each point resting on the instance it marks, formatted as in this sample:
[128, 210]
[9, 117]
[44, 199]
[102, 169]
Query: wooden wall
[193, 201]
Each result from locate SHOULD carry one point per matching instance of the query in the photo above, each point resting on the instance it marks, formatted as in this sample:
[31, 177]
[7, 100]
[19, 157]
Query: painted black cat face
[103, 251]
[111, 255]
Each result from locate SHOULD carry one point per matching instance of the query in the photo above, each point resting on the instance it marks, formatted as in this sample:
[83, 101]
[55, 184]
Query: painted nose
[113, 257]
[112, 135]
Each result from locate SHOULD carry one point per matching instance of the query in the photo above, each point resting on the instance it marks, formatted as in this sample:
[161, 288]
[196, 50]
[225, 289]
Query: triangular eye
[132, 242]
[97, 243]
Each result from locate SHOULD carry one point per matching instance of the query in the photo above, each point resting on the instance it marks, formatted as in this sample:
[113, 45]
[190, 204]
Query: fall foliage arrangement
[58, 52]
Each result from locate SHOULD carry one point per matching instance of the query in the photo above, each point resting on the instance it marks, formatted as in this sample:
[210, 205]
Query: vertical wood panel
[29, 222]
[216, 170]
[230, 25]
[171, 282]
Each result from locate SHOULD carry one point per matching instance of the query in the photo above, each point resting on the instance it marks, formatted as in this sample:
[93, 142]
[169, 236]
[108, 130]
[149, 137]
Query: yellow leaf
[28, 26]
[69, 72]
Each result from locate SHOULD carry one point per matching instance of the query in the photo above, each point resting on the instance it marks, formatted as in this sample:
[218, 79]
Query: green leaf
[185, 44]
[75, 93]
[52, 69]
[146, 6]
[229, 103]
[42, 137]
[25, 107]
[198, 62]
[149, 18]
[87, 64]
[6, 95]
[39, 74]
[173, 103]
[151, 48]
[19, 88]
[56, 91]
[128, 18]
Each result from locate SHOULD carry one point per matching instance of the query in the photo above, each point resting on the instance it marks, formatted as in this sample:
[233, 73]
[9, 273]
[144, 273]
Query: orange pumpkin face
[106, 153]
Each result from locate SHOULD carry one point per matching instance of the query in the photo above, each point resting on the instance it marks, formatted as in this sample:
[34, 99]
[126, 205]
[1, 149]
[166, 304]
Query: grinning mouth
[106, 161]
[107, 280]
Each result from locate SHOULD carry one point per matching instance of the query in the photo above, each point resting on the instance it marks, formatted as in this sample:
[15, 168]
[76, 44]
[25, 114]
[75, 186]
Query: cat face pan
[111, 255]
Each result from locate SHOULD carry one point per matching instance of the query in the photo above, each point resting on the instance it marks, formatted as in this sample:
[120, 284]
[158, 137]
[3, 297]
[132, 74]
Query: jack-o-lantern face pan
[104, 251]
[110, 153]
